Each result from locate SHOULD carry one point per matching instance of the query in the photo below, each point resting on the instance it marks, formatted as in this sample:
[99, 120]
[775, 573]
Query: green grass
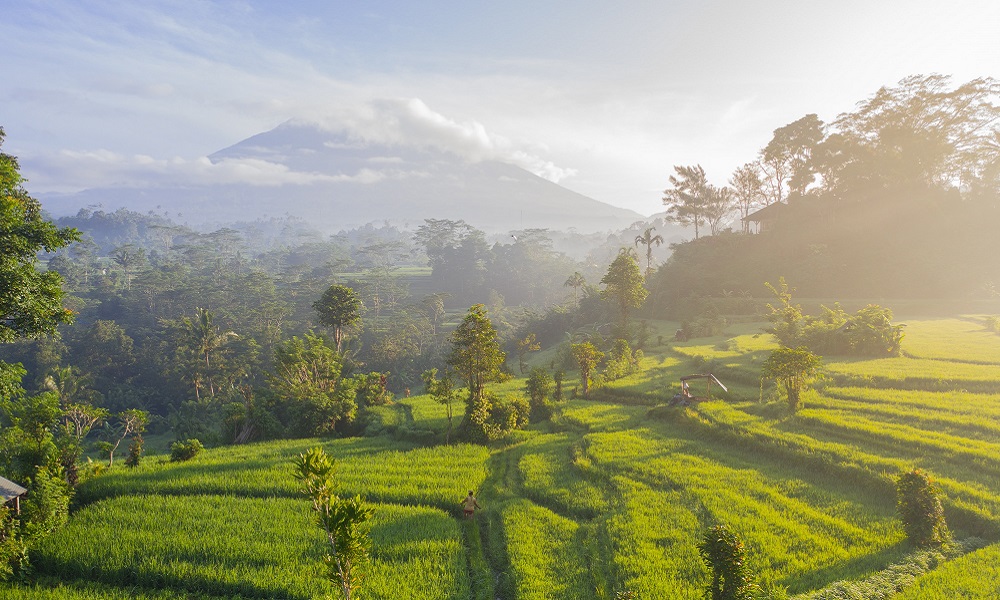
[973, 576]
[377, 468]
[612, 495]
[958, 339]
[546, 557]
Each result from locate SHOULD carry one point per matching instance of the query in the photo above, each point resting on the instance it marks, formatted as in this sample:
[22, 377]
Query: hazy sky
[603, 97]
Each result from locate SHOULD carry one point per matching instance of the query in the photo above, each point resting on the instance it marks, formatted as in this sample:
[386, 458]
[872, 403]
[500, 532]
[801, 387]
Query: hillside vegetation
[611, 496]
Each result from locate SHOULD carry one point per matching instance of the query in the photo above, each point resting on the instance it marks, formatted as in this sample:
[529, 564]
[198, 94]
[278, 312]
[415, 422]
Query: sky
[603, 98]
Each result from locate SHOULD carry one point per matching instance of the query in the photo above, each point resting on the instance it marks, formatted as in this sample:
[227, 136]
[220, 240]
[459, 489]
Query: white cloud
[80, 170]
[409, 122]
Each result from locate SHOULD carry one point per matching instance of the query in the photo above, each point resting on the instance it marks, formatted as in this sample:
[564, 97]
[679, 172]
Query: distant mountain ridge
[346, 183]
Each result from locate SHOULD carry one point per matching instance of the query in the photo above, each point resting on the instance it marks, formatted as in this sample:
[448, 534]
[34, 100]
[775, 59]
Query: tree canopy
[623, 285]
[30, 300]
[339, 308]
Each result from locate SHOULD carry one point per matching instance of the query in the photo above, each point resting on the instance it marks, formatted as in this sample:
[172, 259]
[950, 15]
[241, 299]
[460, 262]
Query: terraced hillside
[611, 496]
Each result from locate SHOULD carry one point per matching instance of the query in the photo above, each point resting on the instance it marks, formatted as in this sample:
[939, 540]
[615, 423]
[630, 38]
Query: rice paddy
[611, 496]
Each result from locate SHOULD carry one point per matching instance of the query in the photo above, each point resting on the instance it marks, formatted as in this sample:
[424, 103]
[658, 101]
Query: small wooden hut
[766, 215]
[11, 491]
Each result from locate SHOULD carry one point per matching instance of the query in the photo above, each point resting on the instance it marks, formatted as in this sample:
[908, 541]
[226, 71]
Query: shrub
[135, 451]
[919, 506]
[539, 385]
[492, 417]
[724, 554]
[186, 450]
[622, 361]
[792, 368]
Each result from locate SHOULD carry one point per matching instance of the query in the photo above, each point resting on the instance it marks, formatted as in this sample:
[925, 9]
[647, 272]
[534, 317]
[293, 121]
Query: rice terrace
[609, 497]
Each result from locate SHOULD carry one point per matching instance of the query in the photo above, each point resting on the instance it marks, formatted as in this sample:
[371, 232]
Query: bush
[493, 417]
[186, 450]
[919, 506]
[135, 450]
[538, 386]
[622, 361]
[724, 554]
[792, 368]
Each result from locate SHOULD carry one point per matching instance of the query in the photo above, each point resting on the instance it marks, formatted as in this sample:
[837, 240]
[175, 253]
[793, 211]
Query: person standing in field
[470, 505]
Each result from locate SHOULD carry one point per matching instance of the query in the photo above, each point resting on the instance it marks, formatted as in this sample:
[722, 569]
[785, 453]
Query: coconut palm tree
[576, 281]
[204, 338]
[648, 239]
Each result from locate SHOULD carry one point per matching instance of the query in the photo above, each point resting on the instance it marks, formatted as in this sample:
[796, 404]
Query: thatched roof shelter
[11, 491]
[769, 213]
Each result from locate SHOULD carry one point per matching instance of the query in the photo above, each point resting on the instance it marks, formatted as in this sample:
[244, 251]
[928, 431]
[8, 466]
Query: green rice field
[611, 496]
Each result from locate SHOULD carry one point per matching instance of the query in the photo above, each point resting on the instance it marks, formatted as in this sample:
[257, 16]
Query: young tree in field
[725, 555]
[787, 321]
[78, 420]
[686, 200]
[623, 286]
[342, 519]
[587, 356]
[792, 368]
[475, 351]
[444, 392]
[30, 300]
[647, 239]
[339, 308]
[919, 506]
[131, 422]
[524, 346]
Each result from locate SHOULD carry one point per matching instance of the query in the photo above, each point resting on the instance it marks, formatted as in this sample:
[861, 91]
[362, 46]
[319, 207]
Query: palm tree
[129, 258]
[648, 239]
[204, 338]
[576, 281]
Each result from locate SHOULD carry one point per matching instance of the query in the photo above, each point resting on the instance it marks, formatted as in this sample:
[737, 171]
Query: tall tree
[623, 286]
[129, 257]
[686, 200]
[576, 281]
[475, 351]
[719, 204]
[920, 131]
[308, 381]
[339, 308]
[205, 339]
[747, 190]
[787, 157]
[647, 239]
[30, 300]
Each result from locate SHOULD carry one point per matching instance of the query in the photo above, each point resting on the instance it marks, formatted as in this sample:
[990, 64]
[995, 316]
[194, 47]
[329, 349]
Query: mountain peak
[335, 180]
